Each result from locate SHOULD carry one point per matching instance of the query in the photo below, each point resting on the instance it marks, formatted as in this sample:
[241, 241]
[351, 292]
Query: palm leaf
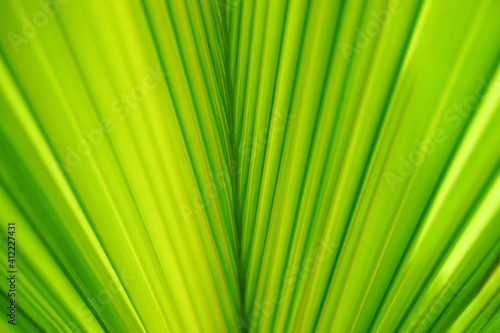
[261, 166]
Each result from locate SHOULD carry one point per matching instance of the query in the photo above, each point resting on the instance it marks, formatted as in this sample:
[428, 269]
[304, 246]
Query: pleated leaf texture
[250, 166]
